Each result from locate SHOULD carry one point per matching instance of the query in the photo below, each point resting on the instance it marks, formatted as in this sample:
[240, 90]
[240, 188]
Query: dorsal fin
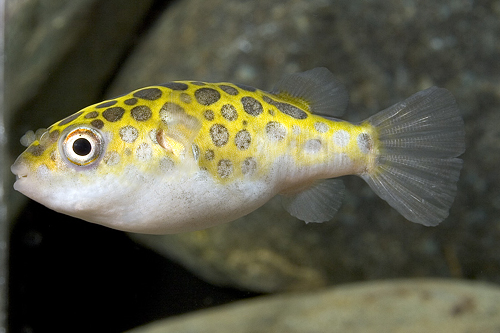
[324, 94]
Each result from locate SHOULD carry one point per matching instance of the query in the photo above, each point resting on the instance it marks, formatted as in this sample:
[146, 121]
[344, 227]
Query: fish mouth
[21, 171]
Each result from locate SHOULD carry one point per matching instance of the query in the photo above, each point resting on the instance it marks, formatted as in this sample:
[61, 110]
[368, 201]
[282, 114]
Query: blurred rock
[39, 34]
[383, 52]
[413, 306]
[61, 54]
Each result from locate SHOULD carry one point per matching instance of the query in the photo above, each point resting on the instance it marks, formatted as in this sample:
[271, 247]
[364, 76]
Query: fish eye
[82, 146]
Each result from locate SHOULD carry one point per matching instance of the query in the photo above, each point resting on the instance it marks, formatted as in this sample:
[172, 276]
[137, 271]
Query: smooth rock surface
[61, 54]
[383, 52]
[410, 306]
[39, 34]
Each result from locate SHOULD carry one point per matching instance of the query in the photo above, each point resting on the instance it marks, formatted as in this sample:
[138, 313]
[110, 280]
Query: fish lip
[21, 172]
[19, 169]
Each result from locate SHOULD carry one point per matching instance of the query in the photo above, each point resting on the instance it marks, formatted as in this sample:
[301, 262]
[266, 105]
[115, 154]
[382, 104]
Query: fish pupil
[82, 147]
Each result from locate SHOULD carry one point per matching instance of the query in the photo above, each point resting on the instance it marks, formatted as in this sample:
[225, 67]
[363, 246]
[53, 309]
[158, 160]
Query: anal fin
[318, 203]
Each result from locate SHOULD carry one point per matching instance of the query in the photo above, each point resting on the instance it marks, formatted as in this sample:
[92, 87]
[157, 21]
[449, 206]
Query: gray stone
[416, 306]
[39, 34]
[383, 52]
[61, 54]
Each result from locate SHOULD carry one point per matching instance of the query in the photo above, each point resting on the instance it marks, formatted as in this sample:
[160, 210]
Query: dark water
[67, 275]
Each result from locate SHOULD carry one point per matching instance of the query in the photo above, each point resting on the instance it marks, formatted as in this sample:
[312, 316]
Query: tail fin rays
[417, 169]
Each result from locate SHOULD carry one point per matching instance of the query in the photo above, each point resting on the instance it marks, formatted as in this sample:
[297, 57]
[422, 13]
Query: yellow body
[227, 141]
[187, 155]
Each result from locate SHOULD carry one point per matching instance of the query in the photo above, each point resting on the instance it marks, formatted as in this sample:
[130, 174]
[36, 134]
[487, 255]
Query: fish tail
[416, 168]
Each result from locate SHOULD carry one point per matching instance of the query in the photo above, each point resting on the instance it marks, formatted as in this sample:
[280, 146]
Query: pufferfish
[188, 155]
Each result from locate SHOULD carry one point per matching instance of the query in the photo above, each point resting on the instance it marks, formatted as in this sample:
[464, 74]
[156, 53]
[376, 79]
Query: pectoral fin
[178, 129]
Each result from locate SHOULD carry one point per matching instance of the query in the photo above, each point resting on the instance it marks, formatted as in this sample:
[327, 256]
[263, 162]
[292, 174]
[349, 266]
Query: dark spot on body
[249, 166]
[167, 164]
[143, 152]
[219, 135]
[113, 114]
[251, 106]
[321, 127]
[209, 115]
[128, 133]
[97, 123]
[365, 143]
[130, 101]
[141, 113]
[150, 94]
[105, 104]
[242, 140]
[36, 150]
[229, 112]
[91, 115]
[225, 168]
[275, 131]
[209, 155]
[229, 90]
[69, 119]
[206, 96]
[175, 85]
[288, 109]
[111, 158]
[312, 146]
[198, 83]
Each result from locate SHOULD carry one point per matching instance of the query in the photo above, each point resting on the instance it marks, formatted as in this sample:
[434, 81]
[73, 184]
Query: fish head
[59, 167]
[100, 163]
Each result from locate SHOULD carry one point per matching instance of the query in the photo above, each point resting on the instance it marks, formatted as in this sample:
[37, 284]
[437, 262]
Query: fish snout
[21, 171]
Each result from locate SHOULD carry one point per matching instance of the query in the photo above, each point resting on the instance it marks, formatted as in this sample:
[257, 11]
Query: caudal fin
[417, 168]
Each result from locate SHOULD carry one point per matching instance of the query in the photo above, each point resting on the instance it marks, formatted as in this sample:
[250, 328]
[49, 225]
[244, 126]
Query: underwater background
[367, 270]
